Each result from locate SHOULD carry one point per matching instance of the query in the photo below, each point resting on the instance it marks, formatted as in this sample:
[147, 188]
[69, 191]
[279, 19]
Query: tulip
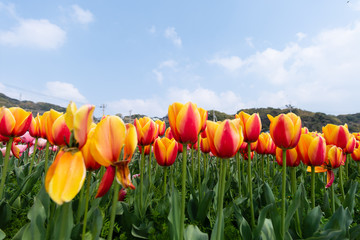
[79, 121]
[165, 151]
[285, 130]
[251, 126]
[350, 147]
[292, 158]
[146, 150]
[122, 194]
[161, 127]
[204, 117]
[336, 135]
[185, 122]
[355, 155]
[65, 176]
[14, 122]
[60, 132]
[146, 131]
[312, 150]
[107, 141]
[89, 160]
[27, 138]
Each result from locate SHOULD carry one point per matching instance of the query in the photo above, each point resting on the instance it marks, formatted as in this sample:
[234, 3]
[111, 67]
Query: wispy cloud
[172, 35]
[232, 63]
[34, 33]
[81, 15]
[64, 90]
[152, 29]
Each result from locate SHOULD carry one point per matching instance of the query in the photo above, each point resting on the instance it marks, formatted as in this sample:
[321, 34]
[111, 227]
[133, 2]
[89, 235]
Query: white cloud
[232, 63]
[159, 76]
[169, 63]
[226, 101]
[171, 34]
[249, 42]
[65, 91]
[300, 36]
[81, 15]
[34, 33]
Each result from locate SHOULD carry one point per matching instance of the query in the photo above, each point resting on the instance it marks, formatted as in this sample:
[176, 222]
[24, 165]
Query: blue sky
[144, 55]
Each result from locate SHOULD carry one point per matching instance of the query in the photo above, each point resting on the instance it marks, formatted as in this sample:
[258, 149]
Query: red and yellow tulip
[161, 127]
[285, 130]
[225, 138]
[336, 135]
[251, 126]
[165, 151]
[185, 122]
[312, 149]
[292, 158]
[14, 122]
[147, 131]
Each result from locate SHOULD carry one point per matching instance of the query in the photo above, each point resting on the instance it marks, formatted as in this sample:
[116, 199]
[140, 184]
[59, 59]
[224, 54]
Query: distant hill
[35, 108]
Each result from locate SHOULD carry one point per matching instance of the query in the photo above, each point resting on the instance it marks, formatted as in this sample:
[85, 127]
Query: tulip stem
[222, 180]
[341, 182]
[113, 208]
[33, 156]
[88, 181]
[78, 214]
[192, 166]
[332, 198]
[250, 188]
[149, 167]
[293, 191]
[199, 167]
[64, 220]
[183, 193]
[165, 174]
[237, 156]
[313, 186]
[283, 194]
[262, 167]
[347, 166]
[46, 155]
[206, 162]
[358, 163]
[142, 166]
[268, 166]
[6, 164]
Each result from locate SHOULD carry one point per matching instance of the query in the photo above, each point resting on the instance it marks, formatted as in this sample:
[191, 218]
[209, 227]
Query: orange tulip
[110, 136]
[356, 154]
[79, 121]
[285, 130]
[225, 138]
[35, 130]
[357, 136]
[146, 131]
[65, 176]
[14, 122]
[251, 126]
[336, 135]
[204, 117]
[89, 160]
[185, 122]
[50, 119]
[165, 151]
[292, 158]
[204, 145]
[244, 146]
[161, 127]
[108, 140]
[145, 148]
[312, 150]
[60, 132]
[350, 146]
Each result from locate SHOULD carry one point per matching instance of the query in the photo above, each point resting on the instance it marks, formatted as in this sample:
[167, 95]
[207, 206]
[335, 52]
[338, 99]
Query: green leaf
[192, 209]
[95, 222]
[174, 215]
[261, 220]
[193, 233]
[269, 196]
[63, 220]
[2, 235]
[267, 230]
[292, 209]
[37, 217]
[340, 220]
[218, 227]
[312, 222]
[245, 230]
[349, 201]
[355, 232]
[5, 213]
[204, 206]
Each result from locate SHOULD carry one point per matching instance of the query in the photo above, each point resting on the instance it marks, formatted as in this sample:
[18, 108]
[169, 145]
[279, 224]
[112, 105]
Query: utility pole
[103, 106]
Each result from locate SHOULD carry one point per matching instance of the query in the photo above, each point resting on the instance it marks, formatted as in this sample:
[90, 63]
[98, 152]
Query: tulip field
[64, 176]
